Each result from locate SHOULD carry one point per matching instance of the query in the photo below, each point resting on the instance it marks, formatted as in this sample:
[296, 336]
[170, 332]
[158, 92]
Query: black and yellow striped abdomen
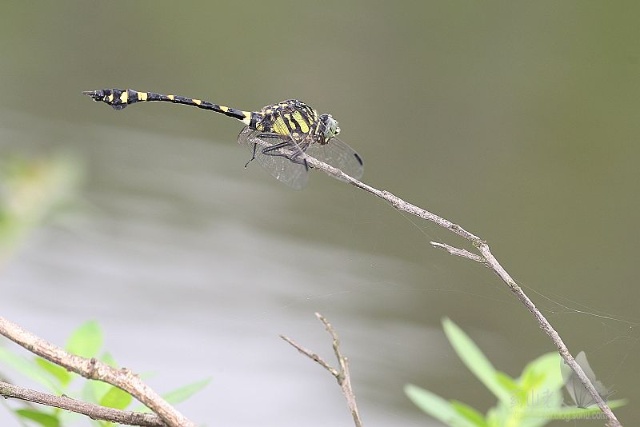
[120, 98]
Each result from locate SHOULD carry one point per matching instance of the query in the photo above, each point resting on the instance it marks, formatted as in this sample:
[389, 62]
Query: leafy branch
[123, 383]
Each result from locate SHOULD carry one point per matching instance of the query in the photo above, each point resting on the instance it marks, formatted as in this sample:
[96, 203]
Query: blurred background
[518, 121]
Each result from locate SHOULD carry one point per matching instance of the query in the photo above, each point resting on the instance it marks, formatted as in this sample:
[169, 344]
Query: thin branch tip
[341, 375]
[487, 259]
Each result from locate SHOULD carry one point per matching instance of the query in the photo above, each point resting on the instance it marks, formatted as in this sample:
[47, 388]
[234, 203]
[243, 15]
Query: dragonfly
[279, 136]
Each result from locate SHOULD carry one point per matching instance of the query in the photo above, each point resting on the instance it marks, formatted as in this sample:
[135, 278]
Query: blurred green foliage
[532, 400]
[30, 189]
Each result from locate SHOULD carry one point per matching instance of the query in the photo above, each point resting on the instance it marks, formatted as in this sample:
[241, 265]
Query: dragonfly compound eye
[328, 127]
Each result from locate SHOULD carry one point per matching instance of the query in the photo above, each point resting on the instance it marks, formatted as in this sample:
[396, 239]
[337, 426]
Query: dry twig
[342, 375]
[95, 412]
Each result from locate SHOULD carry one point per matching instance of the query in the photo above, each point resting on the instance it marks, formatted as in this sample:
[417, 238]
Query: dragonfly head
[328, 128]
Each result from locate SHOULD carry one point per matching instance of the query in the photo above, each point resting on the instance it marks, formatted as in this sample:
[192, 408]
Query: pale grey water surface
[198, 277]
[520, 122]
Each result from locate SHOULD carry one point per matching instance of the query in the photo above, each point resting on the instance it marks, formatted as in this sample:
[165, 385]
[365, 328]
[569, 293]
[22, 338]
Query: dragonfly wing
[276, 154]
[338, 154]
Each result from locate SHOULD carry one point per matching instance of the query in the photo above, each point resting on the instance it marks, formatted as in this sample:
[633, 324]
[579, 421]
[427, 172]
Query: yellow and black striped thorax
[290, 118]
[295, 119]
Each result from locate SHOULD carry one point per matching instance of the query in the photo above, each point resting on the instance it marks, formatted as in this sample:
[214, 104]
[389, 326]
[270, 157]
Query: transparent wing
[281, 156]
[338, 154]
[277, 155]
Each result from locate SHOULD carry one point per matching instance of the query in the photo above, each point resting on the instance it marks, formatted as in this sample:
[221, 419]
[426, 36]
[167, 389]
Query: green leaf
[94, 391]
[494, 418]
[116, 398]
[63, 376]
[438, 408]
[41, 418]
[109, 360]
[86, 341]
[541, 384]
[537, 391]
[507, 382]
[469, 413]
[475, 360]
[183, 393]
[28, 368]
[543, 373]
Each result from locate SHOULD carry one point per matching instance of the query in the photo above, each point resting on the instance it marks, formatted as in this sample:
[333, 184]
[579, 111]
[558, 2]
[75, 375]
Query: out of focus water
[518, 122]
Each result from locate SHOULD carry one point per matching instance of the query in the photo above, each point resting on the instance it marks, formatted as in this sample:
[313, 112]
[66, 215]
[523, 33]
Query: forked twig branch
[460, 252]
[486, 257]
[95, 370]
[342, 375]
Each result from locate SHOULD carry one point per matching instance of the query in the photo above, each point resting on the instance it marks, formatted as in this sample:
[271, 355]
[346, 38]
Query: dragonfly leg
[280, 147]
[253, 154]
[273, 150]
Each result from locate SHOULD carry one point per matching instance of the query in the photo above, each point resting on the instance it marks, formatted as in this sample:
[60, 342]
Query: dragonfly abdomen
[120, 98]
